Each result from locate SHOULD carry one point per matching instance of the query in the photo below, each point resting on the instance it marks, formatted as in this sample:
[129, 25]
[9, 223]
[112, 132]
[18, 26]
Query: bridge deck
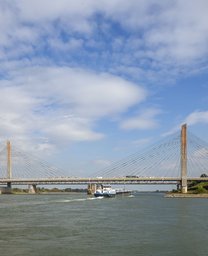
[116, 180]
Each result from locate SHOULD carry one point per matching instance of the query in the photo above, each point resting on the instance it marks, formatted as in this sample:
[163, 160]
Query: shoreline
[43, 193]
[178, 195]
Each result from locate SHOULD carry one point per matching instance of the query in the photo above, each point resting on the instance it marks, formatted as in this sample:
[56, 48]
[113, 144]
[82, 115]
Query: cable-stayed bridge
[177, 159]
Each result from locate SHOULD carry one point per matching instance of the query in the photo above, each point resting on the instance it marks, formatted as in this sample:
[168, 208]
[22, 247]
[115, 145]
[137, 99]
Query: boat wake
[131, 196]
[79, 199]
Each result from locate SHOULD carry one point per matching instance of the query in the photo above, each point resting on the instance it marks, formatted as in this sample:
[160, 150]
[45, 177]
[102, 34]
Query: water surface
[74, 224]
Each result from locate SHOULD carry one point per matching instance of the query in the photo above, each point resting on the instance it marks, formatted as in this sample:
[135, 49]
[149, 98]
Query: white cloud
[71, 45]
[84, 93]
[197, 117]
[145, 120]
[72, 129]
[52, 104]
[15, 109]
[175, 32]
[157, 37]
[193, 118]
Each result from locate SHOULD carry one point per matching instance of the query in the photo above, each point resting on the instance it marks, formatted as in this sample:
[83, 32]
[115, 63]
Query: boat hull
[104, 194]
[105, 191]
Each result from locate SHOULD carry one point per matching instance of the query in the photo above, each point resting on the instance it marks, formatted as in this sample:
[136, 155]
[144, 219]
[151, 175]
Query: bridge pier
[91, 189]
[32, 189]
[7, 189]
[9, 185]
[184, 187]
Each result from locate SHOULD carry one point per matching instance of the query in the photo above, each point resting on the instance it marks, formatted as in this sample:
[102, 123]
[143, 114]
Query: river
[73, 225]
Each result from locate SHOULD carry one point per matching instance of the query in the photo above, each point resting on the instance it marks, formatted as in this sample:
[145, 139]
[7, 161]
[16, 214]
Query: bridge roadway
[84, 181]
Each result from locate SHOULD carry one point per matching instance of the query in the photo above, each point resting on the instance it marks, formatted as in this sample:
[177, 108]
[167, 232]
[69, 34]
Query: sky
[84, 83]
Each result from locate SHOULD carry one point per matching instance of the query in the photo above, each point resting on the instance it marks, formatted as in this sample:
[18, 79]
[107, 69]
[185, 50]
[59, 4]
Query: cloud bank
[67, 65]
[152, 34]
[62, 104]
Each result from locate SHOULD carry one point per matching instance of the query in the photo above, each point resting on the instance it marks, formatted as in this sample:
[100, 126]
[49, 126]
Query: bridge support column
[9, 185]
[184, 159]
[91, 189]
[8, 188]
[5, 190]
[9, 168]
[32, 189]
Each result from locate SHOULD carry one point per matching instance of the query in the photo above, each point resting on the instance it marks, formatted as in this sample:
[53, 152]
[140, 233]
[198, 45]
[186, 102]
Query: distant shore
[188, 195]
[47, 193]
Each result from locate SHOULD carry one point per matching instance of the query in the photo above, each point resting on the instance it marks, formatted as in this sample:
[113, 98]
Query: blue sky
[85, 83]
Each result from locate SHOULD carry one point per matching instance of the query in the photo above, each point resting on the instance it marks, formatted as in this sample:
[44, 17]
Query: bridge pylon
[9, 165]
[184, 158]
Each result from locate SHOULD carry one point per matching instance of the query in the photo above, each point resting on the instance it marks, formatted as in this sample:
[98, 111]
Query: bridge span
[86, 181]
[167, 162]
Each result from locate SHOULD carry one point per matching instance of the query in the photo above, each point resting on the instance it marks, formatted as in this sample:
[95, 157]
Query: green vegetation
[19, 191]
[48, 190]
[196, 187]
[199, 187]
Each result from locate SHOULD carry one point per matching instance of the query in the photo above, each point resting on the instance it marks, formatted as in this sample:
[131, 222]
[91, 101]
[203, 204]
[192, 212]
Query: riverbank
[48, 193]
[188, 195]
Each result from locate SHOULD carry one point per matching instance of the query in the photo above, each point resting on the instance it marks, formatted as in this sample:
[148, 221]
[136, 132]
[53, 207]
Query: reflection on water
[74, 224]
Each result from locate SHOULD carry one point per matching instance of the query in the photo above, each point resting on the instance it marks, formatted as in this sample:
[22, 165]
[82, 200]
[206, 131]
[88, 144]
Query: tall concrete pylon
[184, 158]
[9, 163]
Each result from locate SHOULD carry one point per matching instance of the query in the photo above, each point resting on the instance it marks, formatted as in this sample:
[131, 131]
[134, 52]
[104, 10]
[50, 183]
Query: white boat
[105, 191]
